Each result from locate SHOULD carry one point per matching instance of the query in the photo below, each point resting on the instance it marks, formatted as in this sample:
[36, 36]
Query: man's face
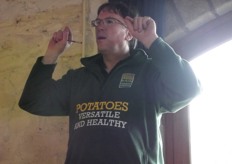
[111, 33]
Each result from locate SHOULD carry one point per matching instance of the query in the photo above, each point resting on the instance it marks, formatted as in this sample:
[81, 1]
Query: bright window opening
[211, 112]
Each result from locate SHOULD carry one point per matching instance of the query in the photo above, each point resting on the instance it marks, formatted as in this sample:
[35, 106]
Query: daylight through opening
[211, 112]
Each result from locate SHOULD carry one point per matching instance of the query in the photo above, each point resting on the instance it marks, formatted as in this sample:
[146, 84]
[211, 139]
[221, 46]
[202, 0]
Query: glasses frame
[94, 22]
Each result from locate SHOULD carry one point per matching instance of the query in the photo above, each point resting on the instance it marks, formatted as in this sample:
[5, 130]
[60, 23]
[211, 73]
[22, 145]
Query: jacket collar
[136, 56]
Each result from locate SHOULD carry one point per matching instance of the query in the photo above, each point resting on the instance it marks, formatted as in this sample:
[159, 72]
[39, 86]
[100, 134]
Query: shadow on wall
[27, 138]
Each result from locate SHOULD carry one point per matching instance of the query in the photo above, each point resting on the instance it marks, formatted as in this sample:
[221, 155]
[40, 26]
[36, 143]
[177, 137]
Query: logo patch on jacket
[127, 80]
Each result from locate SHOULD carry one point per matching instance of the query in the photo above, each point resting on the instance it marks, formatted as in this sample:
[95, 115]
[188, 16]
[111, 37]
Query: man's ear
[129, 36]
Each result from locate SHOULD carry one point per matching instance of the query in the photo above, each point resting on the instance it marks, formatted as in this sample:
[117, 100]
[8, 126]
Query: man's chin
[102, 49]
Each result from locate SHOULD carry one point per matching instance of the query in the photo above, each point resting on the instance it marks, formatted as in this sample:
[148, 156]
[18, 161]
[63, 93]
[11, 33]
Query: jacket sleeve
[174, 83]
[42, 95]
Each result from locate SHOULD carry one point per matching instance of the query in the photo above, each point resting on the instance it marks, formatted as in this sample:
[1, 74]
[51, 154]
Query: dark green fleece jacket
[114, 117]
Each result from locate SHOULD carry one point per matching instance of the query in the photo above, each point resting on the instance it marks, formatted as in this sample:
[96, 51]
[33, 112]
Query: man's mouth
[101, 37]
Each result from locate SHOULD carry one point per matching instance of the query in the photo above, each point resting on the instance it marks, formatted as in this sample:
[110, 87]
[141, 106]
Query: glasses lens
[106, 21]
[93, 23]
[109, 21]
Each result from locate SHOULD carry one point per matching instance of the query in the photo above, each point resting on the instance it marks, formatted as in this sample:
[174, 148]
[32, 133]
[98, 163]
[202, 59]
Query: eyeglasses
[107, 22]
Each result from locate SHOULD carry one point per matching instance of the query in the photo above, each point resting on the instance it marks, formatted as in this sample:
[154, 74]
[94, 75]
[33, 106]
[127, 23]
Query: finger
[129, 19]
[145, 22]
[54, 37]
[136, 24]
[132, 24]
[52, 41]
[140, 24]
[129, 23]
[150, 24]
[58, 36]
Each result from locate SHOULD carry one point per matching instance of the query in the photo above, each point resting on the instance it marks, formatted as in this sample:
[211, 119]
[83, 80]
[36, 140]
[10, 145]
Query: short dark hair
[123, 10]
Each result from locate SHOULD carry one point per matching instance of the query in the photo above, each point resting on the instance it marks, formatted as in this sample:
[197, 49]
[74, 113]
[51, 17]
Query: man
[115, 102]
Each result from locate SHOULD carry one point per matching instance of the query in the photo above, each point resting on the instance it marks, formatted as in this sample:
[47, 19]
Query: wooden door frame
[176, 137]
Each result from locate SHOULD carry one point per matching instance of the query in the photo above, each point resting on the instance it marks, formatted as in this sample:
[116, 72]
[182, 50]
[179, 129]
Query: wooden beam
[205, 38]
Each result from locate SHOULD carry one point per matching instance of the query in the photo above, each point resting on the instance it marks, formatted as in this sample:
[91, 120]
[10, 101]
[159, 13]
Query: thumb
[67, 36]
